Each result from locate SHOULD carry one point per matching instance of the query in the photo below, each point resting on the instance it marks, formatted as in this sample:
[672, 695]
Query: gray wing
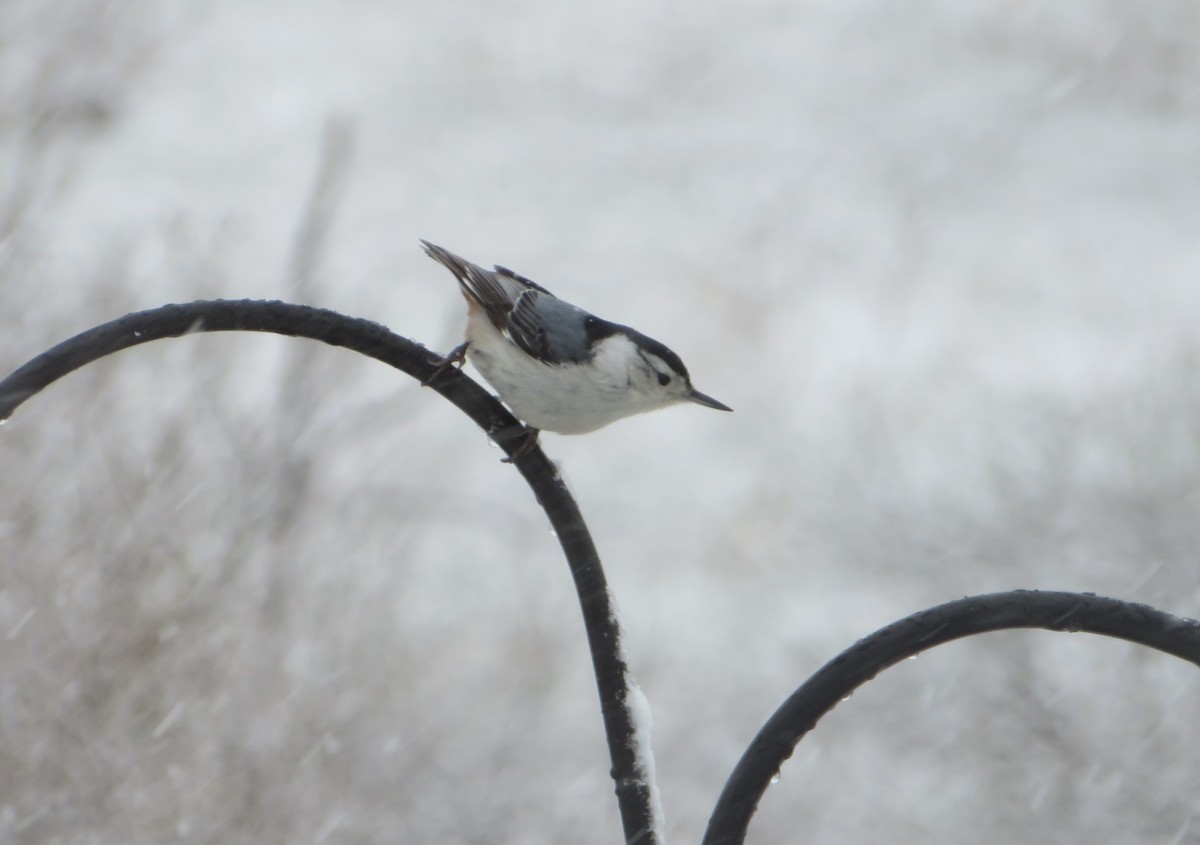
[534, 319]
[551, 330]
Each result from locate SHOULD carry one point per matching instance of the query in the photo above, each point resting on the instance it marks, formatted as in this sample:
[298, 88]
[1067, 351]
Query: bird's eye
[664, 379]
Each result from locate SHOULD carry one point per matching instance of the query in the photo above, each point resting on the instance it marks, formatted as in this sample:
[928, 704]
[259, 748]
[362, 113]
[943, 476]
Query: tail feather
[494, 293]
[458, 266]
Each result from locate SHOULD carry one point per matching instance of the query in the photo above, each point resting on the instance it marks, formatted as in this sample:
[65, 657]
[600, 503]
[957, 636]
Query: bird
[559, 368]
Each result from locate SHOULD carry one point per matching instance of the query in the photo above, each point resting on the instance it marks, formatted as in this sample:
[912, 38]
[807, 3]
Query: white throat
[564, 398]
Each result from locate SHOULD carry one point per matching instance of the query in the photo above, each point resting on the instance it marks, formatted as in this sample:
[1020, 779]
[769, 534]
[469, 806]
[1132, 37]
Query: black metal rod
[868, 657]
[634, 797]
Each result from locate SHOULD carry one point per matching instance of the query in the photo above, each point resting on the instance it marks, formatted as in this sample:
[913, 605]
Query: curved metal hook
[634, 793]
[868, 657]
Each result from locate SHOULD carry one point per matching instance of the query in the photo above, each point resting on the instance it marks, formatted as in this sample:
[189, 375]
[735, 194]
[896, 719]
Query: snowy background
[942, 258]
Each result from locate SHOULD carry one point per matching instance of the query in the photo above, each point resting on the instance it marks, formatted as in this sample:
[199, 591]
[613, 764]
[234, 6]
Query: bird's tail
[460, 267]
[467, 273]
[494, 292]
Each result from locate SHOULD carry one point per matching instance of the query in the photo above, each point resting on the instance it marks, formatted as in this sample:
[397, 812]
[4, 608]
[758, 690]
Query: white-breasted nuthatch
[556, 366]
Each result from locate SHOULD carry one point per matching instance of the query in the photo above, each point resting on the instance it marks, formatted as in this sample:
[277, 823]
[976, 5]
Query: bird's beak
[707, 401]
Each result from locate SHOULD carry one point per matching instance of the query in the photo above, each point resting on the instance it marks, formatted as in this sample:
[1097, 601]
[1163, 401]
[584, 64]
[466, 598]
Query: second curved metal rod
[837, 679]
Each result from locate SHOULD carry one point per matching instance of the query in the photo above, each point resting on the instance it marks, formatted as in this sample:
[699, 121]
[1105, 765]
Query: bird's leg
[526, 442]
[457, 355]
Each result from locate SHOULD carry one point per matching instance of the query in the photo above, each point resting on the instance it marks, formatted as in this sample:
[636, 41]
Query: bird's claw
[457, 356]
[526, 441]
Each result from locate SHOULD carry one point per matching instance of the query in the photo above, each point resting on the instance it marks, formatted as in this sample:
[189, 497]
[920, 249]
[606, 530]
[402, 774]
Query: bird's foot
[525, 442]
[457, 356]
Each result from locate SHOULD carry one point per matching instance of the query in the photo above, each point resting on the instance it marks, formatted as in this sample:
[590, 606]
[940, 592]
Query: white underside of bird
[563, 398]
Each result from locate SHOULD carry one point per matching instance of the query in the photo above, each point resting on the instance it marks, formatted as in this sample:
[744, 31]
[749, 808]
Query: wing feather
[551, 330]
[538, 322]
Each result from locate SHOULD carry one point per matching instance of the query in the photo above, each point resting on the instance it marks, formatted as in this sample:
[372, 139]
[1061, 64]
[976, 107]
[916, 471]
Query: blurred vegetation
[247, 595]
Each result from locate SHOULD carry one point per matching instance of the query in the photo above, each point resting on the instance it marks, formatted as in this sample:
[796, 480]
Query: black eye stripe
[663, 378]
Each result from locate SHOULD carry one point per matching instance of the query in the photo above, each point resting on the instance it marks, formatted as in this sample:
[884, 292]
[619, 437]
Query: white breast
[567, 399]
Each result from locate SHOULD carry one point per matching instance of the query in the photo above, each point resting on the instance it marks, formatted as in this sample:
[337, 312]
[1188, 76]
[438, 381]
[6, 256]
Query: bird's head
[659, 376]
